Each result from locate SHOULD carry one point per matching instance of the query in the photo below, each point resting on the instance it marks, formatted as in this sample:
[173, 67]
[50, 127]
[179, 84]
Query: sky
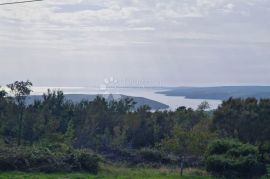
[168, 42]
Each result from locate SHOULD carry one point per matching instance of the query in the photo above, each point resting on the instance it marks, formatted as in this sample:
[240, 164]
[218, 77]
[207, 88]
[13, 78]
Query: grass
[112, 172]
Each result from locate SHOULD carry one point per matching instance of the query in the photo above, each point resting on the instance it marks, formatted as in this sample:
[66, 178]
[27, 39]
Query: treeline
[99, 124]
[119, 132]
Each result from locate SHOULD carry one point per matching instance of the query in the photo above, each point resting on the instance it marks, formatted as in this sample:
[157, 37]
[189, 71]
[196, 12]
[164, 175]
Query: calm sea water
[150, 93]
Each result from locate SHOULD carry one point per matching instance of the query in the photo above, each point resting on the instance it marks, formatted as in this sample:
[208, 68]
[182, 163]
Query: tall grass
[112, 172]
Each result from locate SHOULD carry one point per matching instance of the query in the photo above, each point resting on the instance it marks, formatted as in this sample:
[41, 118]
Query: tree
[203, 106]
[227, 118]
[245, 119]
[3, 106]
[20, 89]
[233, 159]
[3, 93]
[140, 130]
[32, 123]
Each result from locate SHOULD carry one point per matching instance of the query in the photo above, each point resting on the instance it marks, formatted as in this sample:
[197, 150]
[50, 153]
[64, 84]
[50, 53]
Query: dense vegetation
[233, 159]
[55, 134]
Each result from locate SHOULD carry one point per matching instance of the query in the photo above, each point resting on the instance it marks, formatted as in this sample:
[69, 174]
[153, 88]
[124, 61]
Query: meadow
[114, 172]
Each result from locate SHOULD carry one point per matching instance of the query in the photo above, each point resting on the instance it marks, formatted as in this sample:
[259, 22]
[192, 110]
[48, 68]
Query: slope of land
[219, 93]
[140, 101]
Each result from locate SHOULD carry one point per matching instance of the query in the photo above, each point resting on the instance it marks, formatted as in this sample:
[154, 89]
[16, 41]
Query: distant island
[219, 93]
[140, 101]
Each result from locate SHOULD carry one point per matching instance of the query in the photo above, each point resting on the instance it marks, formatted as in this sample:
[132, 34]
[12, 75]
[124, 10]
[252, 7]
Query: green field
[111, 173]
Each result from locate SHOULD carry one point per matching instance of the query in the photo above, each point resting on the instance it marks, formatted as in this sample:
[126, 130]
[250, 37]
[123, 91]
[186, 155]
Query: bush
[142, 157]
[155, 156]
[39, 159]
[229, 158]
[151, 155]
[88, 161]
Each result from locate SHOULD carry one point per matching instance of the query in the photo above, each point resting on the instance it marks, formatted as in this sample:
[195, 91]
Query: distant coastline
[219, 93]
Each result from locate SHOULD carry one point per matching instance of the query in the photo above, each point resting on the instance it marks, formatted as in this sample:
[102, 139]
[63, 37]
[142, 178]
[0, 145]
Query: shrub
[195, 172]
[231, 159]
[88, 161]
[151, 155]
[42, 159]
[155, 156]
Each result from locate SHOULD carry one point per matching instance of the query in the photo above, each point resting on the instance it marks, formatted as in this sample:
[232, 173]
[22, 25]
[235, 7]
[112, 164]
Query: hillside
[219, 93]
[140, 101]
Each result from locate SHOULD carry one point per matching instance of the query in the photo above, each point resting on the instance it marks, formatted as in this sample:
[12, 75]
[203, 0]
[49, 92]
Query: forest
[58, 135]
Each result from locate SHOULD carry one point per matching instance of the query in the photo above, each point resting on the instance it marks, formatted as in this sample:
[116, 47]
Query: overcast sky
[173, 42]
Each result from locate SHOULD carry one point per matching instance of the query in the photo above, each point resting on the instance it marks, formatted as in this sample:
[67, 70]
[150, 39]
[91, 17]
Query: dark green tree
[20, 89]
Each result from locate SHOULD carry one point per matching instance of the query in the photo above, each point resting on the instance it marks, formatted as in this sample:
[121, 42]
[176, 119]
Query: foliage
[230, 158]
[86, 161]
[245, 119]
[41, 159]
[204, 106]
[97, 124]
[21, 90]
[155, 156]
[111, 172]
[192, 142]
[120, 133]
[3, 93]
